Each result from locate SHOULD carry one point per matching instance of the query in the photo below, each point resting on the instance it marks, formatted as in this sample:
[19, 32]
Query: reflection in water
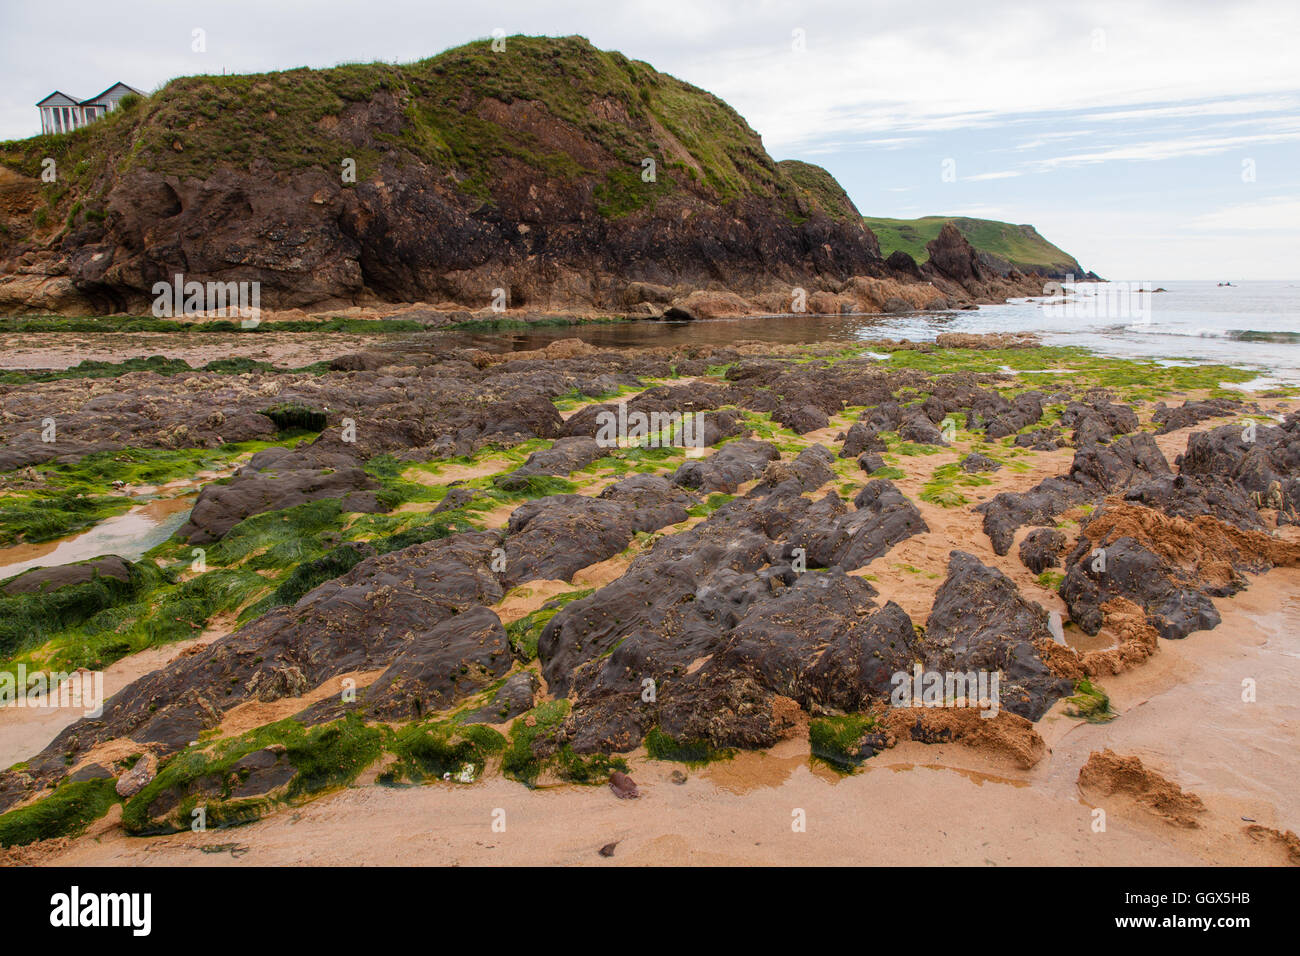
[750, 770]
[780, 329]
[978, 777]
[128, 535]
[1084, 642]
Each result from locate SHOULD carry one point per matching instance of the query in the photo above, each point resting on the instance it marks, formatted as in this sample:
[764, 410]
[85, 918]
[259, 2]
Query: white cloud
[1280, 214]
[1169, 148]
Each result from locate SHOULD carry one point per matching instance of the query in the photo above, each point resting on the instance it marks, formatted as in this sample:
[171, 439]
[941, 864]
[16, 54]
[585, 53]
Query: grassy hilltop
[1002, 242]
[438, 181]
[601, 114]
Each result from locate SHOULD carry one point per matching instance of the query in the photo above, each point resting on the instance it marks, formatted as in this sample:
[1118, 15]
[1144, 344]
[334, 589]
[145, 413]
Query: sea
[1250, 324]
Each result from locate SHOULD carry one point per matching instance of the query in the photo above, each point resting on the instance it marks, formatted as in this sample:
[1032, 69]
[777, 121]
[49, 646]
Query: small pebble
[624, 787]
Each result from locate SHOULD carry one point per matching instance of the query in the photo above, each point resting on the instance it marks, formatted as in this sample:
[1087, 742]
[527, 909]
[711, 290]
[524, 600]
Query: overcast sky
[1153, 141]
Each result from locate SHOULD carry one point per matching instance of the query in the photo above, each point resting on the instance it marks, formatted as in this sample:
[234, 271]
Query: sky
[1156, 140]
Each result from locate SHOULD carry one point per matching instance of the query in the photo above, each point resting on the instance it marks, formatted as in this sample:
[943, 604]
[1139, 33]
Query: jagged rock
[1098, 420]
[1041, 549]
[861, 438]
[1273, 456]
[1111, 468]
[870, 462]
[564, 457]
[453, 660]
[1192, 413]
[138, 777]
[952, 256]
[651, 501]
[516, 696]
[688, 599]
[355, 622]
[1026, 409]
[1133, 572]
[1187, 496]
[275, 479]
[884, 516]
[802, 419]
[934, 409]
[886, 416]
[44, 580]
[556, 536]
[979, 621]
[783, 634]
[976, 462]
[900, 261]
[1097, 470]
[1167, 565]
[810, 470]
[730, 466]
[916, 427]
[1042, 439]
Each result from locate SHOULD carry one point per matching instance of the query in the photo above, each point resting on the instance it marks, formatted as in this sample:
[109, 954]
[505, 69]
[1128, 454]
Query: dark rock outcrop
[979, 621]
[1097, 470]
[1041, 549]
[729, 467]
[275, 479]
[976, 462]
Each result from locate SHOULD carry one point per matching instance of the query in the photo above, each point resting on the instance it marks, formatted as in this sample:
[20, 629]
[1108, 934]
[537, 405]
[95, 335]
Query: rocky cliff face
[566, 176]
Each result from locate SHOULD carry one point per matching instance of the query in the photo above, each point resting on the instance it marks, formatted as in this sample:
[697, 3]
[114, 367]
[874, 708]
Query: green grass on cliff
[820, 190]
[1020, 246]
[550, 108]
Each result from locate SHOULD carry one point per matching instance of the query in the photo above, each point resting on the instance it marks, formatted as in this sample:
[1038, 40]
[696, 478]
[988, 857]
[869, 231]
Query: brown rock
[623, 786]
[138, 777]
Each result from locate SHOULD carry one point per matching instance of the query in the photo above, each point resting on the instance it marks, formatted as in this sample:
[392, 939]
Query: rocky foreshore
[434, 564]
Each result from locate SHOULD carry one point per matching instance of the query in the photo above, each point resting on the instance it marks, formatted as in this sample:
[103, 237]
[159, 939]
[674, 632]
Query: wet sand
[284, 349]
[25, 731]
